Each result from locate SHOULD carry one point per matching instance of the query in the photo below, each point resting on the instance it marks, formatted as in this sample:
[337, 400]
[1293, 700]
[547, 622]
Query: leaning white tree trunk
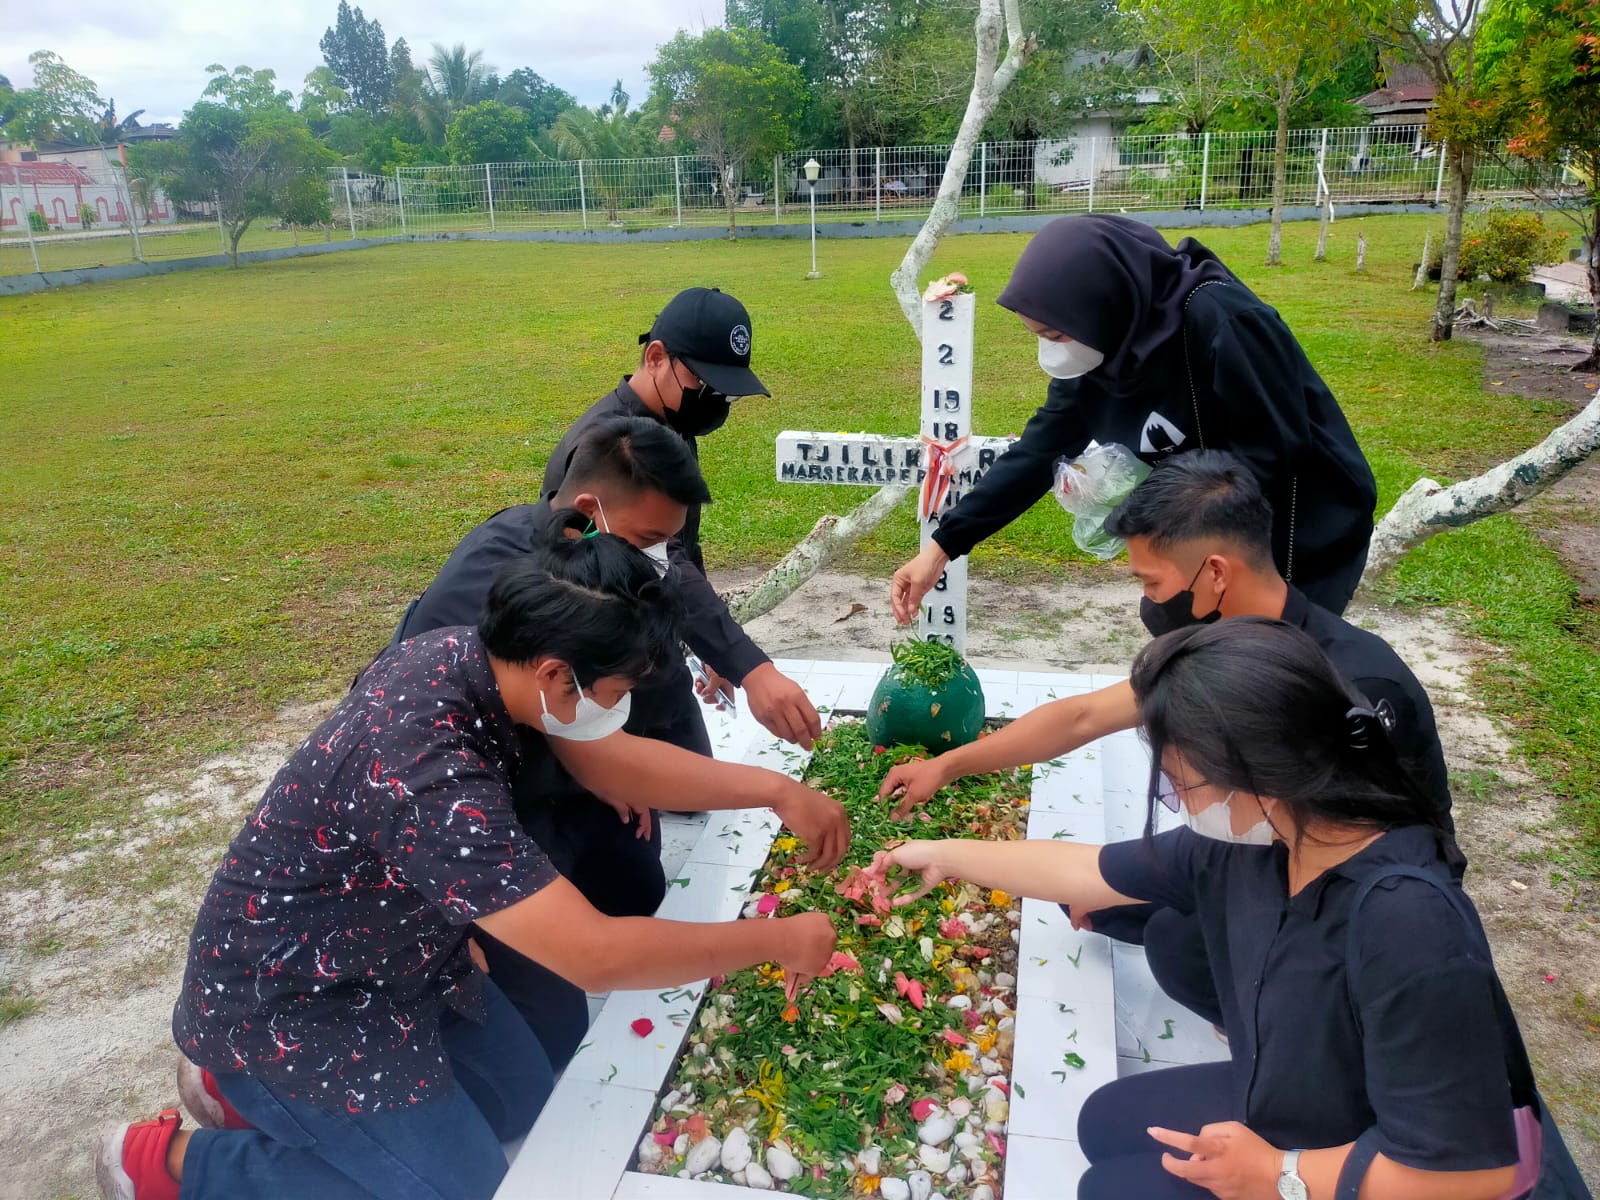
[988, 81]
[832, 534]
[1428, 508]
[827, 538]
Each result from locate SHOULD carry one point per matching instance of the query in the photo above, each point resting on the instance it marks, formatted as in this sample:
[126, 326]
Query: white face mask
[591, 721]
[1067, 360]
[657, 555]
[1215, 821]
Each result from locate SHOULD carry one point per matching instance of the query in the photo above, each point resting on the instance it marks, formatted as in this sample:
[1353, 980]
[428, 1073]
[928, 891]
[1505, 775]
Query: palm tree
[609, 131]
[453, 79]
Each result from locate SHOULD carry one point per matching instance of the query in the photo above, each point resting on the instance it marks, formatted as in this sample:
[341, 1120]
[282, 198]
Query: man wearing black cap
[696, 359]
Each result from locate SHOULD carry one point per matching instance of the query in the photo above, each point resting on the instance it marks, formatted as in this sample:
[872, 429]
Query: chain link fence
[89, 212]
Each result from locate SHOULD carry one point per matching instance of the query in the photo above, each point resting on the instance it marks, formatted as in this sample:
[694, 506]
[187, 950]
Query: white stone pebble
[936, 1130]
[957, 1173]
[959, 1001]
[755, 1176]
[736, 1151]
[935, 1158]
[967, 1140]
[869, 1160]
[982, 1192]
[894, 1189]
[680, 1145]
[651, 1152]
[703, 1156]
[921, 1185]
[783, 1165]
[1005, 979]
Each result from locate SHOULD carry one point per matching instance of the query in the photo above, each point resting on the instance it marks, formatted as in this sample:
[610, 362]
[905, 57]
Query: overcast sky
[153, 56]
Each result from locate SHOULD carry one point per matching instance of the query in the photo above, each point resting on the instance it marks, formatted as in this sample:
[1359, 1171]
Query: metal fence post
[877, 191]
[488, 191]
[1438, 187]
[1205, 169]
[583, 199]
[983, 178]
[349, 208]
[677, 184]
[400, 199]
[777, 189]
[222, 234]
[27, 224]
[1092, 142]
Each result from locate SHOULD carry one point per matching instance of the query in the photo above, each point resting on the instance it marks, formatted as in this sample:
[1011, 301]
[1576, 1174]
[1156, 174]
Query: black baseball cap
[710, 331]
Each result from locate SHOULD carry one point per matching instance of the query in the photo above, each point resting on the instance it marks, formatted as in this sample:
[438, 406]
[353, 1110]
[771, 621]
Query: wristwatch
[1290, 1185]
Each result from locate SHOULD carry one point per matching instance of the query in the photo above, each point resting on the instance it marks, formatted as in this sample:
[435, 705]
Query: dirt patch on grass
[98, 935]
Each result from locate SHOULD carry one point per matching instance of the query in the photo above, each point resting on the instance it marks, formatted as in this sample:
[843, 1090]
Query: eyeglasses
[1166, 791]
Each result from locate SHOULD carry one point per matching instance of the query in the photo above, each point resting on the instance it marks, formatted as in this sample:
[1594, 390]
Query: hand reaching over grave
[914, 782]
[915, 580]
[810, 940]
[782, 705]
[817, 820]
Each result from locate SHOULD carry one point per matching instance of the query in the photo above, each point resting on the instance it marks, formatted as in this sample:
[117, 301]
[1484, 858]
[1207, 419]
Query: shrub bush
[37, 221]
[1505, 245]
[86, 217]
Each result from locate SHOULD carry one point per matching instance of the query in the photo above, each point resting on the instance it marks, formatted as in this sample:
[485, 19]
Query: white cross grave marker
[944, 459]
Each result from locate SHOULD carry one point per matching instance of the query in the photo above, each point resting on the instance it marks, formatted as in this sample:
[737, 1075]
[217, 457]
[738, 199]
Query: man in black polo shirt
[635, 478]
[1199, 541]
[696, 359]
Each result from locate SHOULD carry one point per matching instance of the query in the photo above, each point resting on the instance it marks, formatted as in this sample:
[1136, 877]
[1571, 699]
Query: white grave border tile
[588, 1136]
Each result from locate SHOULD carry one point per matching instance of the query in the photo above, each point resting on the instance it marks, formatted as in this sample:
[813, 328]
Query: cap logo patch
[739, 339]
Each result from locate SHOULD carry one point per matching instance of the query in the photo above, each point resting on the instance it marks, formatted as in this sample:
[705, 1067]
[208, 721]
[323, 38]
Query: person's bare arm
[560, 930]
[643, 773]
[1061, 872]
[1049, 730]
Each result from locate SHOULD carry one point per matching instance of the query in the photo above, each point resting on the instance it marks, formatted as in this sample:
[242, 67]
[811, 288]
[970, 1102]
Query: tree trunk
[1459, 163]
[235, 236]
[827, 538]
[1592, 261]
[988, 82]
[730, 195]
[1427, 508]
[1280, 171]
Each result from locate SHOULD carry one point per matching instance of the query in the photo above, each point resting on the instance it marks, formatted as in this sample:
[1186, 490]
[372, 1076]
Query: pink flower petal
[643, 1027]
[921, 1108]
[999, 1146]
[972, 1018]
[901, 983]
[868, 919]
[954, 1038]
[733, 1029]
[896, 1092]
[1001, 1086]
[665, 1137]
[953, 929]
[767, 904]
[914, 994]
[841, 962]
[788, 1049]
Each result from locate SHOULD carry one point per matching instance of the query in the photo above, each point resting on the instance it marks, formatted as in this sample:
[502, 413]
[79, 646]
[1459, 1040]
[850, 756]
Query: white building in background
[59, 182]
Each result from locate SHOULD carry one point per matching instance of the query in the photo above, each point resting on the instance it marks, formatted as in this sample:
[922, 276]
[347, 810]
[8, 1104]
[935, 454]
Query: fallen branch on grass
[1428, 507]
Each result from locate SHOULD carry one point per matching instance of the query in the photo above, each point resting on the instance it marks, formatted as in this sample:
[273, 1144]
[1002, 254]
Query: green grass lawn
[221, 487]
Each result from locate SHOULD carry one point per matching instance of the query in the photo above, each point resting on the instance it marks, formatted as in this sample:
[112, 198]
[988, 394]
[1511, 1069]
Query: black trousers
[1173, 946]
[1124, 1160]
[617, 872]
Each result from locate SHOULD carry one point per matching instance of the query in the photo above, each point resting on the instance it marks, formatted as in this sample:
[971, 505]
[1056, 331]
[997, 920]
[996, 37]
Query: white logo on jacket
[1160, 435]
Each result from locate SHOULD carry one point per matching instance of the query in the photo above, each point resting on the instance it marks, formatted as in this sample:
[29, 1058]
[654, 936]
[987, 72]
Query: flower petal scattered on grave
[643, 1027]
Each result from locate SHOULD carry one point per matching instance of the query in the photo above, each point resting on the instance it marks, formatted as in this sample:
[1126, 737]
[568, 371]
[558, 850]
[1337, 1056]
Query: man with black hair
[1198, 531]
[337, 1038]
[695, 361]
[635, 478]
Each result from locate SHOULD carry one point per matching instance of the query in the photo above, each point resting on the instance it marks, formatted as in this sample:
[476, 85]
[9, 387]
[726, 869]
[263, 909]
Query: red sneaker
[198, 1090]
[130, 1162]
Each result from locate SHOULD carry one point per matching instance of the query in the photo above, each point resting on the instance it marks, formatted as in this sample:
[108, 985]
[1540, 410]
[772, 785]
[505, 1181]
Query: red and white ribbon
[941, 470]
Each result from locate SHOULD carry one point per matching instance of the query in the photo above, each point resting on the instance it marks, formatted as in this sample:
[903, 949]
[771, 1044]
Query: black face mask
[701, 411]
[1177, 611]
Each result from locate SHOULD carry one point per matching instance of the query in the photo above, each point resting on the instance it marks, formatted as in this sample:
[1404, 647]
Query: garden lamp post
[812, 169]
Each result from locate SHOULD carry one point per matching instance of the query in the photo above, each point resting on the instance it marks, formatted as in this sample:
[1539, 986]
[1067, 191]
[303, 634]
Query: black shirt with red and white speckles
[333, 936]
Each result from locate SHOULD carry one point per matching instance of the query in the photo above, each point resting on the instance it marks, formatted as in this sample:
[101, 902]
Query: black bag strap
[1519, 1071]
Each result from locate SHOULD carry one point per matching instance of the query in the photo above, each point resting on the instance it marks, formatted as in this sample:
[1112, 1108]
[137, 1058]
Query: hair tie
[1362, 727]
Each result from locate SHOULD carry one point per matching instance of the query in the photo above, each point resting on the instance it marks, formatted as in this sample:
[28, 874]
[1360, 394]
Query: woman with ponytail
[1373, 1053]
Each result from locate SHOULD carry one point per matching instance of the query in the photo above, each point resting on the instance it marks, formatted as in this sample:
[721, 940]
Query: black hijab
[1113, 284]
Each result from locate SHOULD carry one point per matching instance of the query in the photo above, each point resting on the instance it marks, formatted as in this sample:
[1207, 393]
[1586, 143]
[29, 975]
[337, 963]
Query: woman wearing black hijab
[1163, 350]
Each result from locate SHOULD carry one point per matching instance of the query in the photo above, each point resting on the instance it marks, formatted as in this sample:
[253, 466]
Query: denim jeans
[446, 1148]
